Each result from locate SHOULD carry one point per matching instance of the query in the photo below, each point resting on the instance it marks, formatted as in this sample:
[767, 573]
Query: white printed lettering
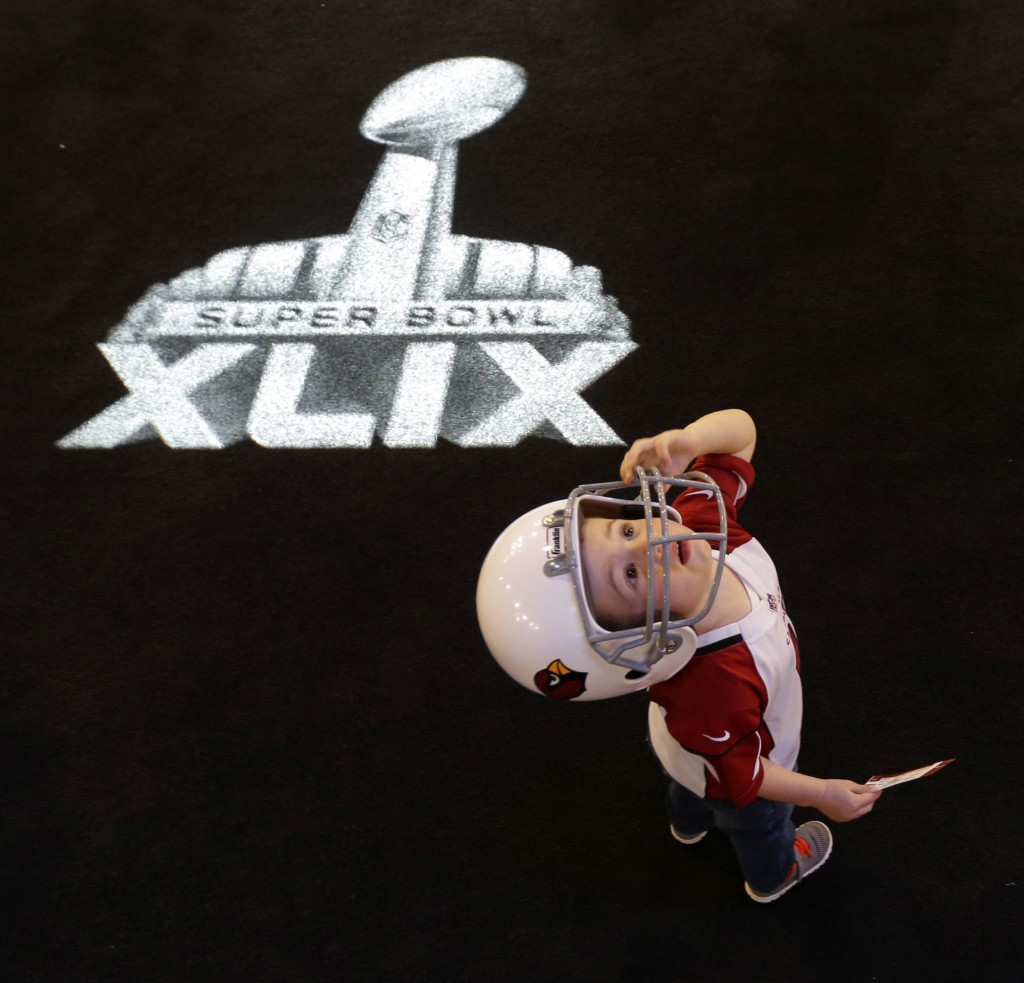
[548, 392]
[274, 420]
[157, 396]
[421, 394]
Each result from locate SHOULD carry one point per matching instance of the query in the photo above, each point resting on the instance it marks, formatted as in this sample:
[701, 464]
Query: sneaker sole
[688, 840]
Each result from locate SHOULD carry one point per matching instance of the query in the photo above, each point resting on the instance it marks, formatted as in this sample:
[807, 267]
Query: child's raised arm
[722, 432]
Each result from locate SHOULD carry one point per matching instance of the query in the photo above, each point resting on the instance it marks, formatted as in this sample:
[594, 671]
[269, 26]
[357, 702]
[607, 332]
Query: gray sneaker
[810, 850]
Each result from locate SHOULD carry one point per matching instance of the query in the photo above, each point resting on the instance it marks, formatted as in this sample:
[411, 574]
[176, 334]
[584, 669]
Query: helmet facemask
[638, 649]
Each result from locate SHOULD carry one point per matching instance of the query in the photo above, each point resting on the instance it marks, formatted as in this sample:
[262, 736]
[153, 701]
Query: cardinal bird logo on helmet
[560, 682]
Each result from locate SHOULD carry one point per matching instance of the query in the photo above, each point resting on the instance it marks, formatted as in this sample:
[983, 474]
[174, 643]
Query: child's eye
[628, 532]
[631, 572]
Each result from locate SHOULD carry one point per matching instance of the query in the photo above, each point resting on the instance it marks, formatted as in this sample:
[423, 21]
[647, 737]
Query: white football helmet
[533, 603]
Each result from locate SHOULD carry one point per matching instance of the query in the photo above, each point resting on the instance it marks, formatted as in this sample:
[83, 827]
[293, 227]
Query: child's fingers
[636, 456]
[867, 790]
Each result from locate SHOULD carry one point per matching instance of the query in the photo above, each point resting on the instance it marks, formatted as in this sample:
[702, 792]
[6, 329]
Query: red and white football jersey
[739, 697]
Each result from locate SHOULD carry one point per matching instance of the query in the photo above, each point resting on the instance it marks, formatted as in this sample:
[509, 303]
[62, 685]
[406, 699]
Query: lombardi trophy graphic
[398, 327]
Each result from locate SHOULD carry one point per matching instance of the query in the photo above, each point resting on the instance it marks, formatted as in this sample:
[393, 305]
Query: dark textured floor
[250, 731]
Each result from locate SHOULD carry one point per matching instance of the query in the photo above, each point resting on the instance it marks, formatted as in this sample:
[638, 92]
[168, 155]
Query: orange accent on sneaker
[802, 847]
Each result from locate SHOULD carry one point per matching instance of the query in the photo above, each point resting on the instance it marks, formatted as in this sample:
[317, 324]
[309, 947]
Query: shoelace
[804, 849]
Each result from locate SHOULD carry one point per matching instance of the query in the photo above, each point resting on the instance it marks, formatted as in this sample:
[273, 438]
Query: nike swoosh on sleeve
[718, 740]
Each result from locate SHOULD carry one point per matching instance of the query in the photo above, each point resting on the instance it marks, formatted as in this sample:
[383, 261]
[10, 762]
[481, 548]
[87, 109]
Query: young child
[601, 596]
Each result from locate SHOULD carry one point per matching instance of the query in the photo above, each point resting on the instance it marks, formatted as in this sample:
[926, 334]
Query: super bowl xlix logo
[398, 327]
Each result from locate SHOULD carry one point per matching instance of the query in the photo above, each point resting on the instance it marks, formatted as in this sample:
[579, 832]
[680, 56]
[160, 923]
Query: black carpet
[250, 730]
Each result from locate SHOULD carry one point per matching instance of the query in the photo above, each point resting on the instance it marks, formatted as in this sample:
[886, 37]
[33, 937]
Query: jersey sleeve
[735, 477]
[731, 745]
[714, 709]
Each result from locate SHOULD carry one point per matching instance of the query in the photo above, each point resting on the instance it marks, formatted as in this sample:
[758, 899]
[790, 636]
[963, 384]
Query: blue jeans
[761, 833]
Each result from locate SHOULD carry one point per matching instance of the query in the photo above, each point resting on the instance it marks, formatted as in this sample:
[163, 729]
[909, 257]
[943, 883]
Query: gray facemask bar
[617, 647]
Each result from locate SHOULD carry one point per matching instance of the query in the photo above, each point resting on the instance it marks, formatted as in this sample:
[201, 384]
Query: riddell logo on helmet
[560, 682]
[398, 328]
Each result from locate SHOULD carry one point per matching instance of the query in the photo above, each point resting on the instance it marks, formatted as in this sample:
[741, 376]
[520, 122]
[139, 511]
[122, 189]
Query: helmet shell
[529, 615]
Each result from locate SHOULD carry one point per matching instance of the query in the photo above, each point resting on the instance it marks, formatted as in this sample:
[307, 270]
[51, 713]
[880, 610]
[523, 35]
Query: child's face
[614, 553]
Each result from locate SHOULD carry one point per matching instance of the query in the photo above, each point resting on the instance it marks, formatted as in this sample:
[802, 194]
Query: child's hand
[843, 800]
[670, 452]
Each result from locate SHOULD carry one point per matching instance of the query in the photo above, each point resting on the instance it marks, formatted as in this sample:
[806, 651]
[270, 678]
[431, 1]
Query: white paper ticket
[884, 781]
